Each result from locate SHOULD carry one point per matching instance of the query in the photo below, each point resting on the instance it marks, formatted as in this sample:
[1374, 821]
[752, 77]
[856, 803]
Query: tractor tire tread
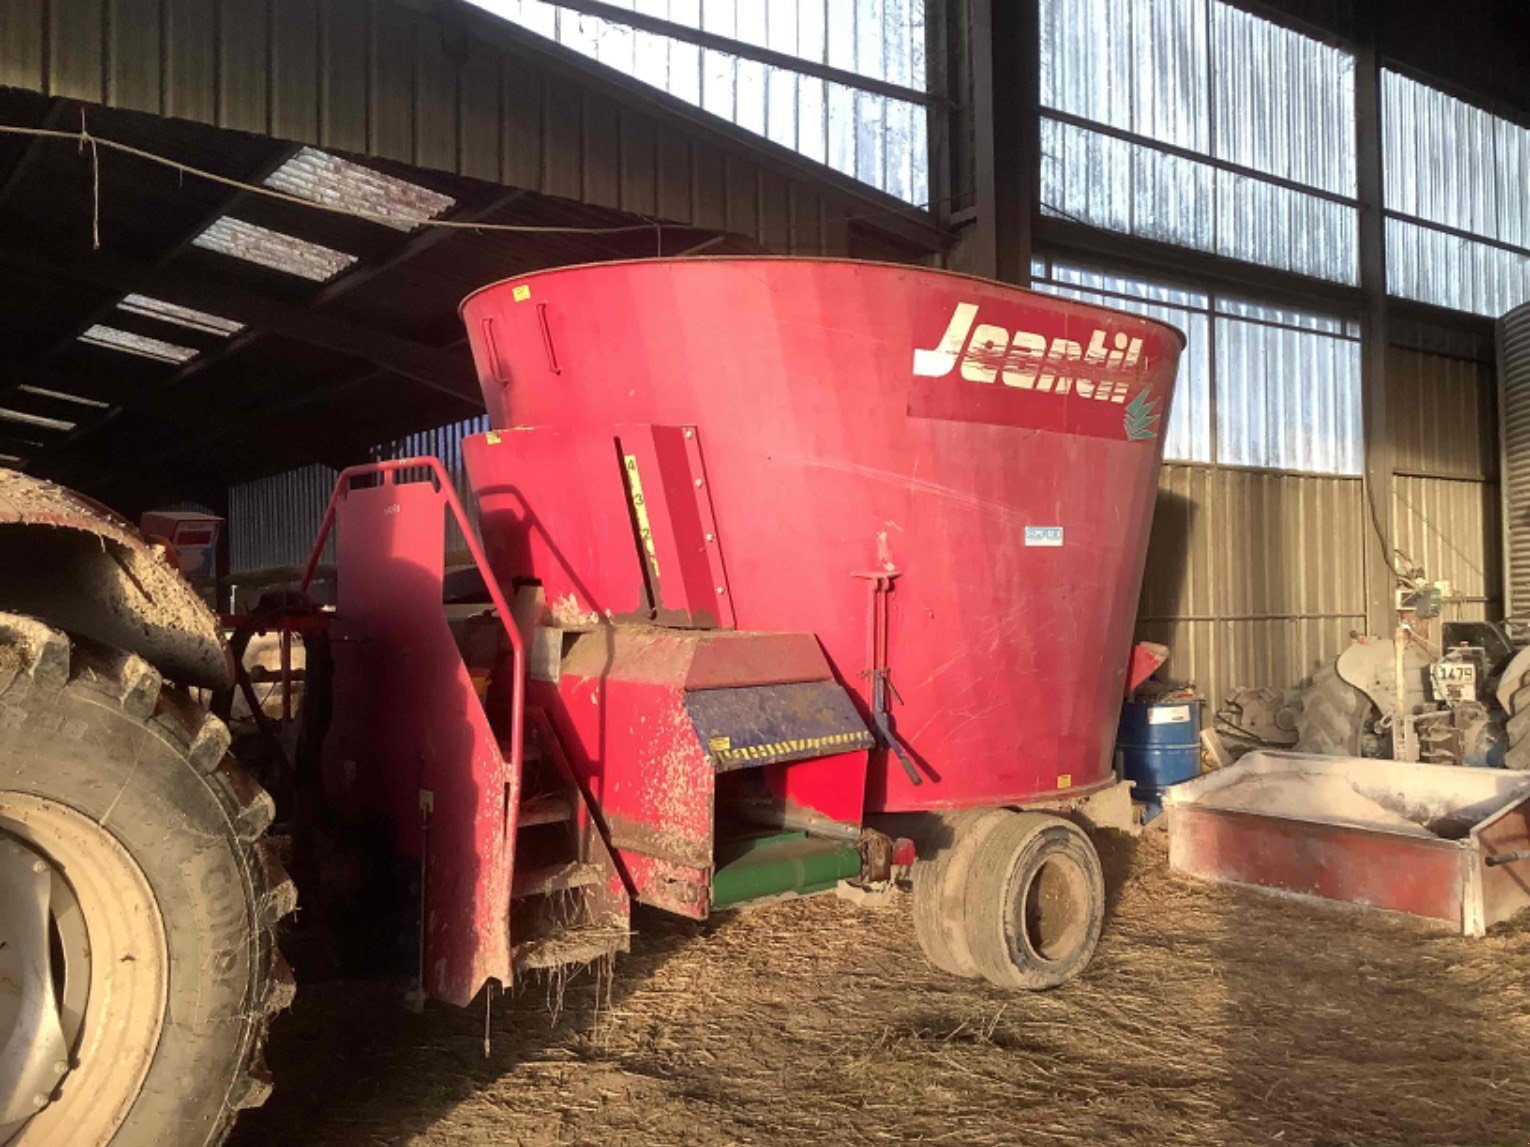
[1332, 716]
[36, 661]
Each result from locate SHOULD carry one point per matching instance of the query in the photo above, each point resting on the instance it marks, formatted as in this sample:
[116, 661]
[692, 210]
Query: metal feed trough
[1438, 841]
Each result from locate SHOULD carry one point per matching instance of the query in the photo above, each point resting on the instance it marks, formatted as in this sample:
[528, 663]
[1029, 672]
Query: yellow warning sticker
[720, 744]
[492, 438]
[640, 511]
[833, 742]
[1065, 780]
[520, 293]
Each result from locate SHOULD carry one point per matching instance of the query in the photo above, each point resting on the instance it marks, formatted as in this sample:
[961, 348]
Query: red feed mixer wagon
[789, 566]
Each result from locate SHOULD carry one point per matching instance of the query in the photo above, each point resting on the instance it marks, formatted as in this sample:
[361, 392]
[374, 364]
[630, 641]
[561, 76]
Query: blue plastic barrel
[1158, 744]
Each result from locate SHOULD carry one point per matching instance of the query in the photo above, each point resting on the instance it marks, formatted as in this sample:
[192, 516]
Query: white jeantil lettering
[1027, 360]
[937, 363]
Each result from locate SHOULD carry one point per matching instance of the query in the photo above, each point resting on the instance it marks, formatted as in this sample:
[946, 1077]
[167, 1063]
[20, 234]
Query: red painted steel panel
[829, 788]
[998, 448]
[727, 661]
[407, 721]
[1337, 862]
[619, 708]
[552, 501]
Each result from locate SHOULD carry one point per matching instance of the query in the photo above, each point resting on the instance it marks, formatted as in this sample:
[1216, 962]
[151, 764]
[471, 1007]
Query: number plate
[1454, 681]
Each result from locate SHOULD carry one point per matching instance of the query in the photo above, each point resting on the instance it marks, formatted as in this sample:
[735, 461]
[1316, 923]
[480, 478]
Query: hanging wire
[85, 138]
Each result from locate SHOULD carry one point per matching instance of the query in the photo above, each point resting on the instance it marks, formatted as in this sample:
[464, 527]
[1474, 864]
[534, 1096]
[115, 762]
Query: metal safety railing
[387, 473]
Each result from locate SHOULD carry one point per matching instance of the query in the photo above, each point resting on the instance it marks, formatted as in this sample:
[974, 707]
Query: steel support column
[1005, 39]
[1379, 588]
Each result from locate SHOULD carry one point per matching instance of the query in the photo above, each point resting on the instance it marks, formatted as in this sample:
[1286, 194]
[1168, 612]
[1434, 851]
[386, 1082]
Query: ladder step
[555, 878]
[547, 808]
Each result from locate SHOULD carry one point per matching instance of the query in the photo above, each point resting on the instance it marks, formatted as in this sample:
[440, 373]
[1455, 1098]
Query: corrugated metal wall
[874, 138]
[1253, 577]
[1450, 163]
[272, 522]
[1514, 400]
[1440, 417]
[382, 78]
[445, 443]
[1205, 77]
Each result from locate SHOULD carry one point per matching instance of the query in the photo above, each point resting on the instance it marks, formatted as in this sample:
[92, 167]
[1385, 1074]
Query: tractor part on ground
[1401, 699]
[1436, 841]
[1513, 694]
[1259, 718]
[131, 850]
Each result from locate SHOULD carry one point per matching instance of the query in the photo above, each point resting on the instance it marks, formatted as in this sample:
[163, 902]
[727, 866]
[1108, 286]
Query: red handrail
[388, 471]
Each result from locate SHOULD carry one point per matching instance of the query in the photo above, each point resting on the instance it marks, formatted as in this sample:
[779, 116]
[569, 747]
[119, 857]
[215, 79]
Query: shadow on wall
[1165, 581]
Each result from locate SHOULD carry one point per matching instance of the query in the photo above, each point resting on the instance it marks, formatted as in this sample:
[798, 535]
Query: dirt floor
[1210, 1015]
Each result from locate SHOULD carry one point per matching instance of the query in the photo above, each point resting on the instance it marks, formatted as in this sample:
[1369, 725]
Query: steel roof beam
[439, 370]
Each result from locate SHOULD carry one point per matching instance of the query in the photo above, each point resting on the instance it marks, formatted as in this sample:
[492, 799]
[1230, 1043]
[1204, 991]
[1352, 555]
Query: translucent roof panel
[323, 178]
[127, 341]
[22, 418]
[181, 316]
[279, 252]
[60, 396]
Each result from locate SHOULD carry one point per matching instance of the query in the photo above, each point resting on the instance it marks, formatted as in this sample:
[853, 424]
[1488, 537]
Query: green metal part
[787, 862]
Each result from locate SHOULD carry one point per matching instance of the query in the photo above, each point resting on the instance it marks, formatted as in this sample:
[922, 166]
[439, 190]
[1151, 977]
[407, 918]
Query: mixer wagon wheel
[137, 905]
[940, 884]
[1035, 902]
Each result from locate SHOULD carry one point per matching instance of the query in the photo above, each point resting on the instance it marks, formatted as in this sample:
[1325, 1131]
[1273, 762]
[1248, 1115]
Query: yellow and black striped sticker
[832, 741]
[640, 511]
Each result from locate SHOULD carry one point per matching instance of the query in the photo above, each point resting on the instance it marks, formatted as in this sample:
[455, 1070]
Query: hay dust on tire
[1209, 1015]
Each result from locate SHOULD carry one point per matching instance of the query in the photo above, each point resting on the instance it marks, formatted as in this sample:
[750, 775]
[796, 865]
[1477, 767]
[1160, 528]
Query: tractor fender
[1369, 664]
[77, 566]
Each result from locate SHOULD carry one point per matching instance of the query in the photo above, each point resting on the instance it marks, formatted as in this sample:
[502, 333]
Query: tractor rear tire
[1035, 902]
[940, 884]
[1333, 715]
[123, 788]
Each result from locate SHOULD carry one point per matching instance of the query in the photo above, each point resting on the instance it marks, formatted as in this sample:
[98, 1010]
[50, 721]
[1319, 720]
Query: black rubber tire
[940, 882]
[1004, 888]
[99, 731]
[1333, 713]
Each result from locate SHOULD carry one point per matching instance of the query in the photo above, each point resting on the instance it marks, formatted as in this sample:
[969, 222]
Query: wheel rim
[1052, 909]
[109, 975]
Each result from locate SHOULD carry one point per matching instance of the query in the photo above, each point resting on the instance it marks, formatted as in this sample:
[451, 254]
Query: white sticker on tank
[1169, 715]
[1043, 535]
